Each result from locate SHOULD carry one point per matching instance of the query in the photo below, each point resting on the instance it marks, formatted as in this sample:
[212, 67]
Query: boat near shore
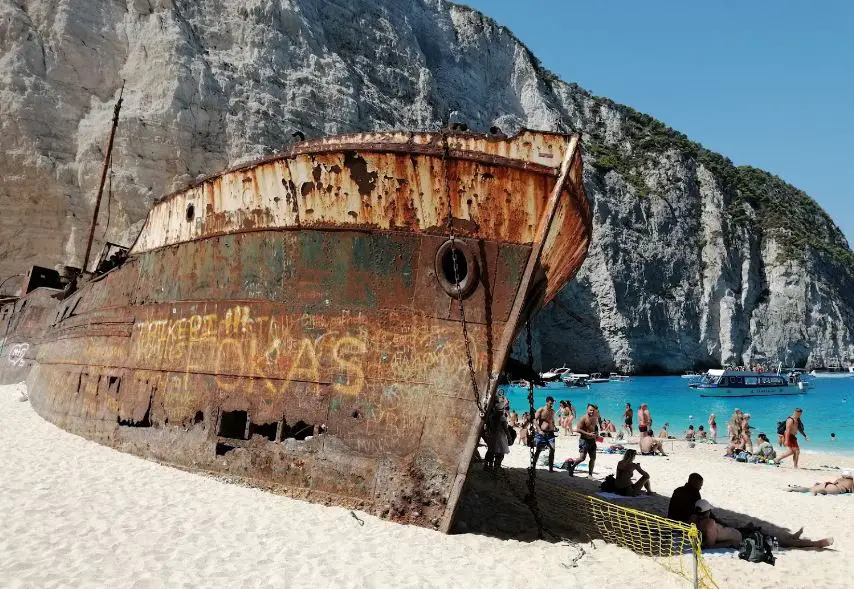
[742, 383]
[835, 370]
[329, 322]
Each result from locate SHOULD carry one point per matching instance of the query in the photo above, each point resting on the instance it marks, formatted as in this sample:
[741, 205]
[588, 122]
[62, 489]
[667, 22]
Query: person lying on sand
[719, 535]
[844, 484]
[626, 468]
[649, 446]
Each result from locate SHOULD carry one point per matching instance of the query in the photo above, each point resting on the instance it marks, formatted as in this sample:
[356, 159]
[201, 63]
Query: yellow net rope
[672, 544]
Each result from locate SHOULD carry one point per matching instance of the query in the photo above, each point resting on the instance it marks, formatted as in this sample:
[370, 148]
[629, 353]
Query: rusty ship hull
[297, 322]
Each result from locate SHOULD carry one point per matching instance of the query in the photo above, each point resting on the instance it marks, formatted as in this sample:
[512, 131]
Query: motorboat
[555, 374]
[618, 378]
[573, 379]
[835, 369]
[596, 377]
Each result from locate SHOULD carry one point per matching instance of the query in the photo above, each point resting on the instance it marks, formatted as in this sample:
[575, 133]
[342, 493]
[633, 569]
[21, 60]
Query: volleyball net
[672, 544]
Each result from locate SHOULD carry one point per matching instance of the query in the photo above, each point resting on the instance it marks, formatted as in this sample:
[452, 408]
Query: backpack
[781, 427]
[757, 547]
[609, 485]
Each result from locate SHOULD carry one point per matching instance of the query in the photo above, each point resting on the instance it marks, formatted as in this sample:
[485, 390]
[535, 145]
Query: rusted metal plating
[293, 321]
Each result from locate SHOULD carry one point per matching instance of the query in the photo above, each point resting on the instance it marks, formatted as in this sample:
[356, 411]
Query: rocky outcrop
[694, 261]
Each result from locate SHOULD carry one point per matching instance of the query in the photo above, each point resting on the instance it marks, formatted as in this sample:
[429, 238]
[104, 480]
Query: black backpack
[781, 427]
[757, 547]
[609, 485]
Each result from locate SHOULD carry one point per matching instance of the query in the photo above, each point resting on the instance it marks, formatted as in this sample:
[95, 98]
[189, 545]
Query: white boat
[554, 373]
[692, 375]
[834, 370]
[618, 378]
[596, 377]
[576, 380]
[743, 383]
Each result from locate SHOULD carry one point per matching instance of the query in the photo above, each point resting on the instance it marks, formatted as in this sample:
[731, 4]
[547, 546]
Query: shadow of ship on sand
[492, 505]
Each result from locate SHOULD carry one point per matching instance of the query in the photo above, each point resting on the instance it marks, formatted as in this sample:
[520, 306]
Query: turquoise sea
[829, 407]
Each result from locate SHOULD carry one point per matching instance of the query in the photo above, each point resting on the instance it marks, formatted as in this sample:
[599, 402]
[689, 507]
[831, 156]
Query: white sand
[76, 514]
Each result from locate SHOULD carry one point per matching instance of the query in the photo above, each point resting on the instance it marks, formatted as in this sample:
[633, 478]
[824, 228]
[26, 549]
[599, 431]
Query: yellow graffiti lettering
[311, 371]
[345, 350]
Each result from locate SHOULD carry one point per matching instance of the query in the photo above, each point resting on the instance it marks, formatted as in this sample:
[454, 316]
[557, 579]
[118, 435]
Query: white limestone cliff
[673, 281]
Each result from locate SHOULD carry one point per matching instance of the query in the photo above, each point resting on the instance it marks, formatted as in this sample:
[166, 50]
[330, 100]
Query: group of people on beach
[686, 504]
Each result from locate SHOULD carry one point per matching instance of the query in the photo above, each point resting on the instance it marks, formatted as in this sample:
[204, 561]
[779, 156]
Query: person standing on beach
[588, 430]
[644, 420]
[713, 428]
[628, 418]
[544, 424]
[790, 437]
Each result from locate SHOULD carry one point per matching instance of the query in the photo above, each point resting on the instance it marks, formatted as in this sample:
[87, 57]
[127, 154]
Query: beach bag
[757, 547]
[609, 485]
[742, 456]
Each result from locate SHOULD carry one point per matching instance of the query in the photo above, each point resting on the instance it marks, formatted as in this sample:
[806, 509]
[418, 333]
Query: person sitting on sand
[626, 468]
[690, 434]
[765, 451]
[719, 535]
[662, 433]
[746, 441]
[701, 434]
[649, 446]
[733, 428]
[608, 428]
[681, 506]
[513, 419]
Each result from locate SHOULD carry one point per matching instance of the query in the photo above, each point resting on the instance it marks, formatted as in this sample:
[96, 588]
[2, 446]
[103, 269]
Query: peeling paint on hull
[292, 322]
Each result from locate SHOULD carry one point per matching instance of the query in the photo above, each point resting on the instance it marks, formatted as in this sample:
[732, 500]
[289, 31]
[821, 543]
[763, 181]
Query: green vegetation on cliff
[798, 223]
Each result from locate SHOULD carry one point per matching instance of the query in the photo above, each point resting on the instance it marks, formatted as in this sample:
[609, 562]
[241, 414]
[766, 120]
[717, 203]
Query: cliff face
[694, 261]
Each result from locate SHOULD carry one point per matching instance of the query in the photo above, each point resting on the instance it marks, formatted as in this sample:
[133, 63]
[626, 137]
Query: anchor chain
[452, 238]
[531, 498]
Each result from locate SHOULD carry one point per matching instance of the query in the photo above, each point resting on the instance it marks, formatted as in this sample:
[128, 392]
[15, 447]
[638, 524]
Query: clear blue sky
[766, 83]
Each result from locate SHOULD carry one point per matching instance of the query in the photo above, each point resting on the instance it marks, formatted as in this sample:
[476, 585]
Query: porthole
[191, 212]
[466, 273]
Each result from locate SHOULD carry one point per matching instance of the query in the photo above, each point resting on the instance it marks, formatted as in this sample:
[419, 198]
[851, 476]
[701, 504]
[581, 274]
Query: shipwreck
[328, 323]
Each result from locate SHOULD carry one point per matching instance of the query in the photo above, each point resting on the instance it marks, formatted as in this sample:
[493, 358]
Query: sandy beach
[76, 514]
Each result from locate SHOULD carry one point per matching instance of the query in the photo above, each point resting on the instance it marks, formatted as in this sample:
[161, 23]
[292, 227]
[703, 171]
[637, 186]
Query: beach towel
[607, 495]
[731, 552]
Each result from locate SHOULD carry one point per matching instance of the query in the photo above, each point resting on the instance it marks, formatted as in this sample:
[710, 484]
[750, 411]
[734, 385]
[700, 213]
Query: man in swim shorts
[790, 437]
[544, 424]
[588, 430]
[644, 420]
[628, 415]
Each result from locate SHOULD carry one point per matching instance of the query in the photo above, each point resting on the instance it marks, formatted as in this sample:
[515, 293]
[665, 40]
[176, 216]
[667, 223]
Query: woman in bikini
[570, 417]
[713, 428]
[841, 486]
[626, 469]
